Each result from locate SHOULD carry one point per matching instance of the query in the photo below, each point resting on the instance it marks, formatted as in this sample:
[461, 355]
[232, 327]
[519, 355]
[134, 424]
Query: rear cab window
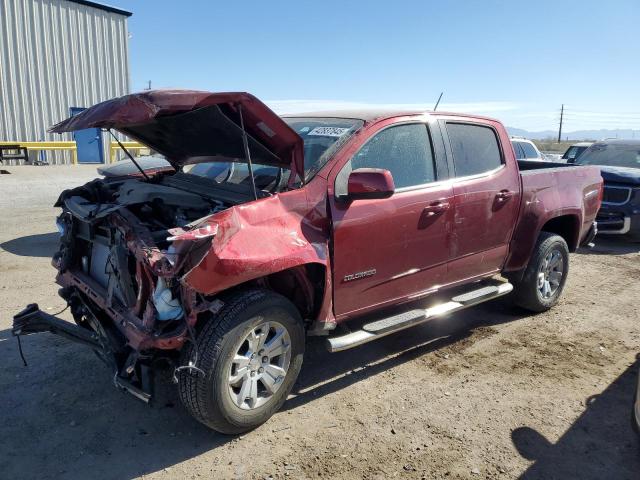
[475, 148]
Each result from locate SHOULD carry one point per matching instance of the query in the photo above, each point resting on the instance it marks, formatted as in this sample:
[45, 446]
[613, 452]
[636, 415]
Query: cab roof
[369, 115]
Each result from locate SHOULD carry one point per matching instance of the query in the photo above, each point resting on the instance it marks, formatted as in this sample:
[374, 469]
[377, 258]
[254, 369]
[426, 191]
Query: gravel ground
[492, 392]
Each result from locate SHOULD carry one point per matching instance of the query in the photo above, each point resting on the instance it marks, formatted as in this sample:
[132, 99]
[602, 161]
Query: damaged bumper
[33, 320]
[129, 373]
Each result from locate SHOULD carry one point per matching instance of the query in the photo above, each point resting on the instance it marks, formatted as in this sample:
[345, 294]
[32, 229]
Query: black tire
[526, 292]
[205, 393]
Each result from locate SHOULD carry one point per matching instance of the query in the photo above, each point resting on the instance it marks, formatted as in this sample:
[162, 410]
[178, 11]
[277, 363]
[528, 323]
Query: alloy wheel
[260, 365]
[550, 274]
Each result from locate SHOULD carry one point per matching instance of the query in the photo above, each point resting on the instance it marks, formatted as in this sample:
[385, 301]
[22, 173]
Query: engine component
[167, 306]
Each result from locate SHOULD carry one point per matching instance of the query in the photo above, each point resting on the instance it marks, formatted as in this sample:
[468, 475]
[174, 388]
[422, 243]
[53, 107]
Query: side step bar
[382, 328]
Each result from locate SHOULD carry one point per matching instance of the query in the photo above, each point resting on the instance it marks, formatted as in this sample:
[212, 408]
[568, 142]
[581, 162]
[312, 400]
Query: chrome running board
[386, 326]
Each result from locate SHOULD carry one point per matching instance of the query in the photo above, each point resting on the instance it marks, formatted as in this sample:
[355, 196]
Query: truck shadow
[40, 245]
[61, 422]
[600, 443]
[324, 373]
[62, 418]
[611, 246]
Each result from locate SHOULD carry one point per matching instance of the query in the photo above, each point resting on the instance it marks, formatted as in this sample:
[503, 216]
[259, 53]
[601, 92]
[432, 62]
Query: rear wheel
[248, 358]
[546, 274]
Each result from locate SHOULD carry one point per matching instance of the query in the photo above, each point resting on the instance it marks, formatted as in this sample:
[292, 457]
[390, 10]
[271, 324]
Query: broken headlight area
[134, 264]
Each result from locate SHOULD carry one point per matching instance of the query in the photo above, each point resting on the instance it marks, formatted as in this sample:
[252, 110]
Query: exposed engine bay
[124, 246]
[131, 240]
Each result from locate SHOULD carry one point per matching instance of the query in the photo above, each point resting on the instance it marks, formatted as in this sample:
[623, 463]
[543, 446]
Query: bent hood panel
[189, 126]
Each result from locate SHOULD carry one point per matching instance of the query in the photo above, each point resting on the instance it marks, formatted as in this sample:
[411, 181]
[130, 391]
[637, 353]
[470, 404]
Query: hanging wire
[192, 364]
[24, 360]
[61, 311]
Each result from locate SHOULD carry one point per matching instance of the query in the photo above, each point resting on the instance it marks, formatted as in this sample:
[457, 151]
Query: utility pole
[149, 85]
[560, 130]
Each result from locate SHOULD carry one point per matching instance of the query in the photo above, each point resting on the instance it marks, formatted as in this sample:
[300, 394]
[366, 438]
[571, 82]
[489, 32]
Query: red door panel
[391, 249]
[485, 206]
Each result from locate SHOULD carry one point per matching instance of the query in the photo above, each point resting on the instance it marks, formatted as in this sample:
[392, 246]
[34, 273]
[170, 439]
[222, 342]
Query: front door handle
[436, 208]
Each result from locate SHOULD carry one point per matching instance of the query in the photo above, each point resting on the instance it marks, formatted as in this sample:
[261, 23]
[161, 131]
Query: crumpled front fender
[257, 239]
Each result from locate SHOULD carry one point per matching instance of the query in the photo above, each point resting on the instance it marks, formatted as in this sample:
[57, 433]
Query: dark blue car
[619, 162]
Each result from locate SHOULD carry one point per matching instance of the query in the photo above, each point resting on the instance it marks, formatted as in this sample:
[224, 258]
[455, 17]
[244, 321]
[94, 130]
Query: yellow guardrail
[71, 146]
[114, 148]
[62, 145]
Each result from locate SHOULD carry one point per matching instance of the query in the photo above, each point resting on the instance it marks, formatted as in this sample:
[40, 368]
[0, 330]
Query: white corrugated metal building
[56, 55]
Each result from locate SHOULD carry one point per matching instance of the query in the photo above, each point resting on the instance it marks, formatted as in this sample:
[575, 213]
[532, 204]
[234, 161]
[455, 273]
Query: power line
[591, 112]
[596, 120]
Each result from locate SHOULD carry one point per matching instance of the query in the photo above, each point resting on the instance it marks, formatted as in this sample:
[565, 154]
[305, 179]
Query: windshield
[612, 154]
[322, 138]
[267, 177]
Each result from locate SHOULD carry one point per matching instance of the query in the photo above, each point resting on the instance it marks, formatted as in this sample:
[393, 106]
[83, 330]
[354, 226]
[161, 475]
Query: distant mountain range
[577, 135]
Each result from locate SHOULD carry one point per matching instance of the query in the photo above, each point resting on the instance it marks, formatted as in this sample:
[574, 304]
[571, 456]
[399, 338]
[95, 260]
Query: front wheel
[546, 274]
[247, 360]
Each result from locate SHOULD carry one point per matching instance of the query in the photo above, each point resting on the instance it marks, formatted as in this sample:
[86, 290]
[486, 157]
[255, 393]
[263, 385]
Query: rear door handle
[436, 208]
[504, 195]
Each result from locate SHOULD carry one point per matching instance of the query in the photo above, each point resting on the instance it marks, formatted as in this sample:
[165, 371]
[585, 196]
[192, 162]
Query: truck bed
[549, 189]
[528, 165]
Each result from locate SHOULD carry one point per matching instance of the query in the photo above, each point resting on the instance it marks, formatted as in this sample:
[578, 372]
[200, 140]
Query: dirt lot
[489, 393]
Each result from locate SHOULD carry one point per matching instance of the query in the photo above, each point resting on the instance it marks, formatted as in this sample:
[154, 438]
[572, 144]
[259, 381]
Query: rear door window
[475, 148]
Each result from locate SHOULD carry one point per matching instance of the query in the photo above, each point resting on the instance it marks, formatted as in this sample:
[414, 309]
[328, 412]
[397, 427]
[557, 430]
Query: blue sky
[517, 61]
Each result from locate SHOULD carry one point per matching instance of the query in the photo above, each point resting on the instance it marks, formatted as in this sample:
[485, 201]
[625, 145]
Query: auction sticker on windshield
[328, 131]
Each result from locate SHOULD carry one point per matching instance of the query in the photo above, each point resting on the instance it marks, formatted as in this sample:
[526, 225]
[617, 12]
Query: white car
[526, 150]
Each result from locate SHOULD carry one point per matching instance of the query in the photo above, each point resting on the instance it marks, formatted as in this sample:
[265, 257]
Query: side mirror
[368, 183]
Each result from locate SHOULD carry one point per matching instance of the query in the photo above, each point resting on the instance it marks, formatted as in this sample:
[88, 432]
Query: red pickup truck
[266, 229]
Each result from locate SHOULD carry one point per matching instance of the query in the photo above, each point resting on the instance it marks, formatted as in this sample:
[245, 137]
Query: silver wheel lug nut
[253, 374]
[265, 359]
[261, 352]
[260, 370]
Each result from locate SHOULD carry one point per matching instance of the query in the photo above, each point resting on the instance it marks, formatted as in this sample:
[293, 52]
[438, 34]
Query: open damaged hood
[188, 126]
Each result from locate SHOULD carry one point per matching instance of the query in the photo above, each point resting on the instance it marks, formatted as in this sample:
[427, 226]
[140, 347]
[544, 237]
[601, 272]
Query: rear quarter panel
[550, 193]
